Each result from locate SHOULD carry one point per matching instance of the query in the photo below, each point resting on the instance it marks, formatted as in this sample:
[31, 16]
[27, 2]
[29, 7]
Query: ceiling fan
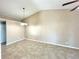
[71, 3]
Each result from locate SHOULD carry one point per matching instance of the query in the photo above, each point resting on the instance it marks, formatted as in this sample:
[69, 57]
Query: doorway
[3, 32]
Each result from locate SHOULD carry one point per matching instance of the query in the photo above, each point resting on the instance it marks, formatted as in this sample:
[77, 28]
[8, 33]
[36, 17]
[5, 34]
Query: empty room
[39, 29]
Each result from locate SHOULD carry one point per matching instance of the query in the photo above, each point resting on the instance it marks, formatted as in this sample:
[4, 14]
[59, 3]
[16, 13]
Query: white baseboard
[14, 42]
[65, 46]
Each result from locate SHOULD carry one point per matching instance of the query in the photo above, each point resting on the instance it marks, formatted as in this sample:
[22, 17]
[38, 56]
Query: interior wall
[32, 21]
[2, 19]
[14, 31]
[55, 26]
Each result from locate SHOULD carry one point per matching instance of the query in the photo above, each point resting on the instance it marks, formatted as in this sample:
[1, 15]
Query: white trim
[13, 42]
[65, 46]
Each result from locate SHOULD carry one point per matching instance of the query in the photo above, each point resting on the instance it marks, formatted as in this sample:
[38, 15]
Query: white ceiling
[53, 4]
[13, 8]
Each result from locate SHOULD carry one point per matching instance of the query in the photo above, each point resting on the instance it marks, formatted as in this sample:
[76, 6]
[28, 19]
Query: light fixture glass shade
[24, 24]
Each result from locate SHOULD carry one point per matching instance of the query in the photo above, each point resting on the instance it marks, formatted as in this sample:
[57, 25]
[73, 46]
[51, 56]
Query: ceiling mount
[23, 8]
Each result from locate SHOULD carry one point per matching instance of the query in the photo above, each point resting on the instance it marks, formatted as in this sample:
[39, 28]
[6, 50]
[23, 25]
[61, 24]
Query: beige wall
[1, 19]
[32, 21]
[14, 31]
[56, 26]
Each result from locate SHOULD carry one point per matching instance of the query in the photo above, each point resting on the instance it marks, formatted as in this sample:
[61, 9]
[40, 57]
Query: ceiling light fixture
[23, 23]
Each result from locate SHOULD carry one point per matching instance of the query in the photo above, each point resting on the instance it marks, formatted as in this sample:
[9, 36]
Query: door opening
[3, 32]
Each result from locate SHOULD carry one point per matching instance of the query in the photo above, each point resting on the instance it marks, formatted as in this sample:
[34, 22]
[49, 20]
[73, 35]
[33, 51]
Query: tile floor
[27, 49]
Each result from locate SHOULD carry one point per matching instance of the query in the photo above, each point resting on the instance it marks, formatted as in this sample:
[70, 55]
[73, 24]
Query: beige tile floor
[27, 49]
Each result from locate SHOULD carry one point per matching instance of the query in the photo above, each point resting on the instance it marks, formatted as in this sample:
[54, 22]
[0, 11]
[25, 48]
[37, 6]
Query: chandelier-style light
[23, 23]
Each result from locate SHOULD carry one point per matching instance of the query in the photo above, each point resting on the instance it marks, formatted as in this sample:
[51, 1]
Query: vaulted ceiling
[13, 8]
